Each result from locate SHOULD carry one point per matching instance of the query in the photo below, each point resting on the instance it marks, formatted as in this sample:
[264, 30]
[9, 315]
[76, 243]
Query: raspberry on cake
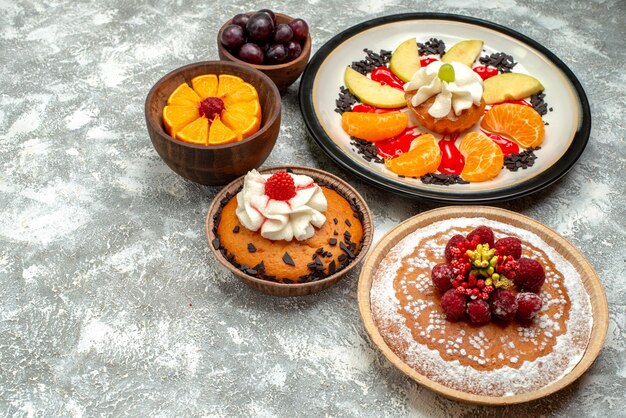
[286, 228]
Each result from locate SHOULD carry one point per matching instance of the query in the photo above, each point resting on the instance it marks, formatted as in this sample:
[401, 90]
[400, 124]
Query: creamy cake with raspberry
[495, 315]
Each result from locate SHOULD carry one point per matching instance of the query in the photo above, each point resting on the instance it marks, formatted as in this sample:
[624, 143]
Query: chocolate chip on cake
[288, 260]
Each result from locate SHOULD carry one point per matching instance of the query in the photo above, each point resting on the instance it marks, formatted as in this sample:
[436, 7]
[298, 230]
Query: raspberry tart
[480, 307]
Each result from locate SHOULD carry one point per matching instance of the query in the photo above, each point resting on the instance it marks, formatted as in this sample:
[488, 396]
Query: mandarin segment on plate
[520, 123]
[184, 95]
[197, 132]
[205, 85]
[374, 126]
[176, 117]
[217, 110]
[424, 157]
[483, 157]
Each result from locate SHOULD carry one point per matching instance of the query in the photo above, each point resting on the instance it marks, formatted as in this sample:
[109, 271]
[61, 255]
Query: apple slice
[372, 92]
[464, 52]
[510, 86]
[405, 60]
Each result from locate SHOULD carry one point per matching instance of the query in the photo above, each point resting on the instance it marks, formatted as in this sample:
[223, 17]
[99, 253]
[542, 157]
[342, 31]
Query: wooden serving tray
[589, 278]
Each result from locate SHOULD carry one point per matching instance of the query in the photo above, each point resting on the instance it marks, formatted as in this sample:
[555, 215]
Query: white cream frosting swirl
[461, 94]
[278, 219]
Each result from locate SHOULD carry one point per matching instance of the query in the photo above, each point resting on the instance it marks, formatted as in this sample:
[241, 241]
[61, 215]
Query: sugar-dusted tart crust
[492, 359]
[335, 244]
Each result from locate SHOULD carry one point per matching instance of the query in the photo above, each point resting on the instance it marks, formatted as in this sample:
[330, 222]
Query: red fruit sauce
[507, 146]
[520, 102]
[485, 72]
[452, 160]
[393, 147]
[384, 76]
[425, 61]
[365, 108]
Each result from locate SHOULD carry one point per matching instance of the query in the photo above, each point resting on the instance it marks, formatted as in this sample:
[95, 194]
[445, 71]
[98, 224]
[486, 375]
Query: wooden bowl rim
[277, 103]
[315, 173]
[304, 55]
[591, 282]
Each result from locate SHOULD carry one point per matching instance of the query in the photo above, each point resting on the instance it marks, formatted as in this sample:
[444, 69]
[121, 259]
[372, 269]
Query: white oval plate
[567, 131]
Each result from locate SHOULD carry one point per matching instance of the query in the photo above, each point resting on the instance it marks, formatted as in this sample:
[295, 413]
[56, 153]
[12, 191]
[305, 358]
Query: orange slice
[252, 108]
[243, 124]
[205, 85]
[221, 134]
[244, 93]
[374, 126]
[228, 84]
[176, 117]
[520, 123]
[483, 157]
[183, 95]
[239, 117]
[423, 158]
[197, 132]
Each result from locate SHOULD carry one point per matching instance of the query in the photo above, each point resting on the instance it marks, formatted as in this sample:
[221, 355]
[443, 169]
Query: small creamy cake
[287, 228]
[491, 359]
[446, 105]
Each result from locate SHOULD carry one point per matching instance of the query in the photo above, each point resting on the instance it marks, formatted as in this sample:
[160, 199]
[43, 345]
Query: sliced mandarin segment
[221, 134]
[520, 123]
[252, 108]
[244, 93]
[374, 126]
[176, 117]
[228, 84]
[197, 132]
[243, 124]
[423, 158]
[183, 95]
[483, 157]
[205, 85]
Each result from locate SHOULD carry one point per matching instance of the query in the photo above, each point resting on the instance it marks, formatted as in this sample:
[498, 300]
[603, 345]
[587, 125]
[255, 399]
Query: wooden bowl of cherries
[273, 43]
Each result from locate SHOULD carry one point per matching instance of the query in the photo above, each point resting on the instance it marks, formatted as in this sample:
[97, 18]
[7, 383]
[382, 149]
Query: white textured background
[110, 303]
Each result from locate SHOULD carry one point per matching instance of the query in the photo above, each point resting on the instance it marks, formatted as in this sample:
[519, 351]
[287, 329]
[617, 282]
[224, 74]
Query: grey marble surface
[110, 303]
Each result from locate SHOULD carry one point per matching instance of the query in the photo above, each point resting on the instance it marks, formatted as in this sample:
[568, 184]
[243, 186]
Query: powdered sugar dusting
[436, 354]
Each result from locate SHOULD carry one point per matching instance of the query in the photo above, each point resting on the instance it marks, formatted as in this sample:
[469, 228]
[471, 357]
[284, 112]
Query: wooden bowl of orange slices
[213, 121]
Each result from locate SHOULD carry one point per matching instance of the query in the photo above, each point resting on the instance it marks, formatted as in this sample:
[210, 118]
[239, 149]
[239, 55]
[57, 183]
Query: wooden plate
[589, 278]
[295, 289]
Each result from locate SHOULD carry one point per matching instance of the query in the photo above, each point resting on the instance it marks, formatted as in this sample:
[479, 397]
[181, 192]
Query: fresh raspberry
[509, 246]
[211, 107]
[529, 275]
[442, 276]
[503, 304]
[453, 305]
[280, 186]
[478, 311]
[484, 233]
[453, 243]
[528, 305]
